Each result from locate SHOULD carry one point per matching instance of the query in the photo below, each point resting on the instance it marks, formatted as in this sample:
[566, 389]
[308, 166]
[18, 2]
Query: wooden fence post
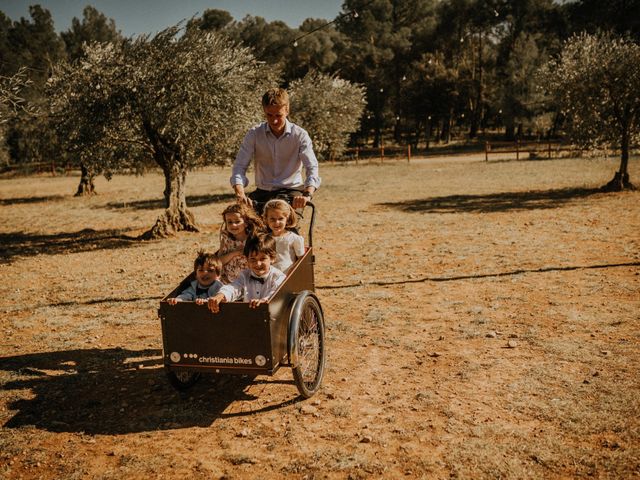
[487, 147]
[518, 149]
[549, 148]
[381, 153]
[357, 153]
[408, 153]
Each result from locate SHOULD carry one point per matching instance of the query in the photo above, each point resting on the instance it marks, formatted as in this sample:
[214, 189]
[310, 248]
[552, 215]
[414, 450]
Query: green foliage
[94, 27]
[317, 49]
[431, 88]
[11, 98]
[518, 95]
[383, 39]
[12, 104]
[528, 32]
[275, 42]
[30, 46]
[270, 42]
[329, 108]
[469, 63]
[621, 17]
[212, 20]
[180, 102]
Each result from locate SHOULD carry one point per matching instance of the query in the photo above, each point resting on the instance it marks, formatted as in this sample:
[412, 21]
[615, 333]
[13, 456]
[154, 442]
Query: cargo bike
[288, 331]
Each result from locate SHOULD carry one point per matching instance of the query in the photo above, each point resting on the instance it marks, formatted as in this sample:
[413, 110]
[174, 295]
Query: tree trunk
[445, 133]
[377, 132]
[620, 180]
[428, 132]
[415, 134]
[397, 133]
[510, 130]
[86, 186]
[177, 216]
[475, 112]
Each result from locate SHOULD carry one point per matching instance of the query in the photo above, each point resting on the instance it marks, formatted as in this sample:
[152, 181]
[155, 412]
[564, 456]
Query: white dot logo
[261, 361]
[175, 357]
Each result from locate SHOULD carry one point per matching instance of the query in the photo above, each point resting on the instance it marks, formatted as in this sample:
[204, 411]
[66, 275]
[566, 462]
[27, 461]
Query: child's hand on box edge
[214, 302]
[256, 302]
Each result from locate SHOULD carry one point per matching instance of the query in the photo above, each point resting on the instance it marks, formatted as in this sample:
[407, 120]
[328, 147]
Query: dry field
[483, 322]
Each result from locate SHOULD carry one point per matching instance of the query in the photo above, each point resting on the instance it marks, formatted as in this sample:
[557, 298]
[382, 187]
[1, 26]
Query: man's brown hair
[275, 96]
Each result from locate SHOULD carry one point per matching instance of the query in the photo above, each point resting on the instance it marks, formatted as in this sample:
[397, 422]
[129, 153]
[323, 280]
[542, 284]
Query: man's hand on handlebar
[299, 201]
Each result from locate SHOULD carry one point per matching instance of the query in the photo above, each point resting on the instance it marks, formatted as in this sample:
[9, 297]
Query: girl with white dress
[280, 218]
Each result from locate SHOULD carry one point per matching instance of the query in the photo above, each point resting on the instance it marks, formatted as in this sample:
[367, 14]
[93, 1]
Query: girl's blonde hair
[253, 223]
[282, 205]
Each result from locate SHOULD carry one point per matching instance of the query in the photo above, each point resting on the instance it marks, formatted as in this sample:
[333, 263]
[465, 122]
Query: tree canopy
[175, 101]
[486, 51]
[11, 98]
[461, 68]
[329, 108]
[94, 27]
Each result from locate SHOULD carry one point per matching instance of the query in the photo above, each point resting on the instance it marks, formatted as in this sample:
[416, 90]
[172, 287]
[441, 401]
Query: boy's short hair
[205, 258]
[275, 96]
[262, 243]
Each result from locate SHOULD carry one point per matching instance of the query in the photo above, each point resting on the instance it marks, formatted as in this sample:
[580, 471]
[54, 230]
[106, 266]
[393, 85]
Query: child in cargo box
[257, 283]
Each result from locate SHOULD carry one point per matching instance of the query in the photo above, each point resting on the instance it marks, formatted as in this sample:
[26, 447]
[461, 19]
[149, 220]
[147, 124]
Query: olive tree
[11, 98]
[595, 83]
[12, 104]
[94, 27]
[329, 108]
[171, 101]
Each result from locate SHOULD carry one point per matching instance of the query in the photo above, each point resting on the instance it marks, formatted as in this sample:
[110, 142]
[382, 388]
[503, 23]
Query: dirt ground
[483, 322]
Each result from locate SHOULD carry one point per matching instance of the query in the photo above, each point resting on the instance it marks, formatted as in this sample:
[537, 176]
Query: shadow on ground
[29, 244]
[114, 391]
[192, 201]
[26, 200]
[474, 276]
[494, 202]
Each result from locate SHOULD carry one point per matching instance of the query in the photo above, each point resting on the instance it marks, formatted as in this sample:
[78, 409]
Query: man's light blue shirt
[278, 161]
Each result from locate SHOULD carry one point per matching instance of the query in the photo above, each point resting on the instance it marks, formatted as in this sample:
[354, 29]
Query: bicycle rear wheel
[307, 344]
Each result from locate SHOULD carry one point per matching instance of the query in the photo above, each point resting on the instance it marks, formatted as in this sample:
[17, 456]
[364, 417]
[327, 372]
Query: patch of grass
[379, 295]
[239, 459]
[340, 411]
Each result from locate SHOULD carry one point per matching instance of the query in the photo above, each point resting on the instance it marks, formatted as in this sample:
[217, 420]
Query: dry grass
[482, 323]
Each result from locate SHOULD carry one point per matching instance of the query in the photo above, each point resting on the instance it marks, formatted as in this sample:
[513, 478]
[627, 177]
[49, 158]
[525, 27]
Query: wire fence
[30, 168]
[516, 150]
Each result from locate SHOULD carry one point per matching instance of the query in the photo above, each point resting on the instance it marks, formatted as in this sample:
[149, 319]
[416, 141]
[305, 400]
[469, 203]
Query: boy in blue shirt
[207, 267]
